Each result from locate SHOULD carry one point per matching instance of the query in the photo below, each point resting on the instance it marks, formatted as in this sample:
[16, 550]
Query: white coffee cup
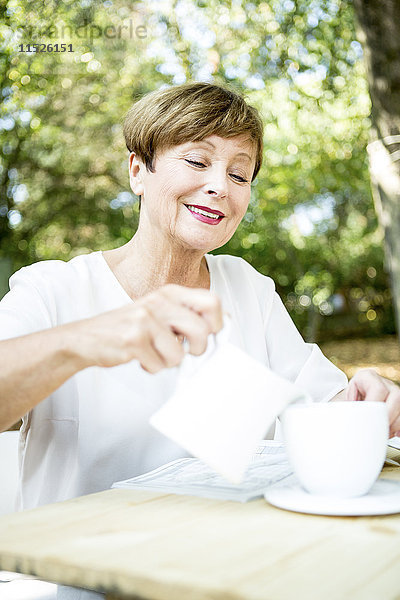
[336, 448]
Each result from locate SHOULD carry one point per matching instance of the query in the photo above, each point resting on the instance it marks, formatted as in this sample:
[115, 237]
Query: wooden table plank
[166, 547]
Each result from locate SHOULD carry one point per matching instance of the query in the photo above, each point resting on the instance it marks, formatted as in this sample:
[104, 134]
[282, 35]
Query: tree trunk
[379, 34]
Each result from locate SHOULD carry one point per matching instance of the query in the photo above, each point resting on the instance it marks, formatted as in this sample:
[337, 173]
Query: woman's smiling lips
[205, 214]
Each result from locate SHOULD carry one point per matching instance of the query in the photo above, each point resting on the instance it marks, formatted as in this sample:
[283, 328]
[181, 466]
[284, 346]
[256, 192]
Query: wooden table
[133, 544]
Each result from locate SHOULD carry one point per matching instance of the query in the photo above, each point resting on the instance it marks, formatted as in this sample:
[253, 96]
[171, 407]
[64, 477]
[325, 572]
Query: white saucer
[383, 499]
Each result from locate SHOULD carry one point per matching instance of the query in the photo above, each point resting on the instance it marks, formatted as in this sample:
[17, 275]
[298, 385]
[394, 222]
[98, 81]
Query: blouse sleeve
[23, 309]
[302, 363]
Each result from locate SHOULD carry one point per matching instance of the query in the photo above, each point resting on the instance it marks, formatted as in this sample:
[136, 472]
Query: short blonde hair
[190, 112]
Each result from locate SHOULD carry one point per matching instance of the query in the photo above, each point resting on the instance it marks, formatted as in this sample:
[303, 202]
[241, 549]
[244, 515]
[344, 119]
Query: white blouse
[95, 429]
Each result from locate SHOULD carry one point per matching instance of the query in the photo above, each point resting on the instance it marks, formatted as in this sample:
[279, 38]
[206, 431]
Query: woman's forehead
[241, 146]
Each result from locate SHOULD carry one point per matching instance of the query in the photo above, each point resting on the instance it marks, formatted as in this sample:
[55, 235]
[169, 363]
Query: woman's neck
[141, 271]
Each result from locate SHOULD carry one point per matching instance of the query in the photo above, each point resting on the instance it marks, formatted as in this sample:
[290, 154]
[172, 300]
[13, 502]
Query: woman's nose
[214, 192]
[217, 186]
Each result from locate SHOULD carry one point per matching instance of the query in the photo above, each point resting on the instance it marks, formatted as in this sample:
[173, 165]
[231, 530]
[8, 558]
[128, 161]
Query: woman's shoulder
[55, 270]
[52, 274]
[64, 290]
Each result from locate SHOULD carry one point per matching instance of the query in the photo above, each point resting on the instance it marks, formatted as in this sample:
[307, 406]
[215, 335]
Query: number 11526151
[45, 48]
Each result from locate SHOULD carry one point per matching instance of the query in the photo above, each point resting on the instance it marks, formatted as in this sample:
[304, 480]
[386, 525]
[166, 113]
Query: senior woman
[88, 345]
[85, 367]
[85, 344]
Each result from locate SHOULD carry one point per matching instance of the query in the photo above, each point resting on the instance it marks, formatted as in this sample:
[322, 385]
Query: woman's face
[199, 191]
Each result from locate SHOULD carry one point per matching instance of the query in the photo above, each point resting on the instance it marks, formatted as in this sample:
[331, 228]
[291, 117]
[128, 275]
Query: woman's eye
[196, 164]
[239, 178]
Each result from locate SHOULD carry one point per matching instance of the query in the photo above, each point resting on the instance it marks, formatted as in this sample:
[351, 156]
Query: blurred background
[311, 224]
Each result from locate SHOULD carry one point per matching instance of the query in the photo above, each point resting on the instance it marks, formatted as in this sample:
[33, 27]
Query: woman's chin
[198, 241]
[202, 246]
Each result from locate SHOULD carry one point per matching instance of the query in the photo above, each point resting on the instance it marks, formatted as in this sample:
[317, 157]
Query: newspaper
[394, 442]
[192, 477]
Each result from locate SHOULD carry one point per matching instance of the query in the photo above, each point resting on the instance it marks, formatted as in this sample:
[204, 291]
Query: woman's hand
[149, 329]
[368, 385]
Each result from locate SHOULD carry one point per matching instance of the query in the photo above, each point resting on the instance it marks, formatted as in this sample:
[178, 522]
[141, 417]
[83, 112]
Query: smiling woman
[190, 187]
[88, 345]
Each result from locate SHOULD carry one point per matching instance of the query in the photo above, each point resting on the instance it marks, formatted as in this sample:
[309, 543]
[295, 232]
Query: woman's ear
[135, 174]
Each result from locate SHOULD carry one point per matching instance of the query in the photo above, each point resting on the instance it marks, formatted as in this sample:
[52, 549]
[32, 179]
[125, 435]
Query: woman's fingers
[157, 348]
[353, 393]
[203, 302]
[171, 308]
[150, 329]
[168, 347]
[393, 404]
[368, 385]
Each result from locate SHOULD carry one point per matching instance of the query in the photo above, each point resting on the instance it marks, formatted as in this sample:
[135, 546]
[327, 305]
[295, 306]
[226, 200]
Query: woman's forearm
[32, 367]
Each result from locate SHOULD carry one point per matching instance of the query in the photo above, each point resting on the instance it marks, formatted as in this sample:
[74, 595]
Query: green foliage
[310, 224]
